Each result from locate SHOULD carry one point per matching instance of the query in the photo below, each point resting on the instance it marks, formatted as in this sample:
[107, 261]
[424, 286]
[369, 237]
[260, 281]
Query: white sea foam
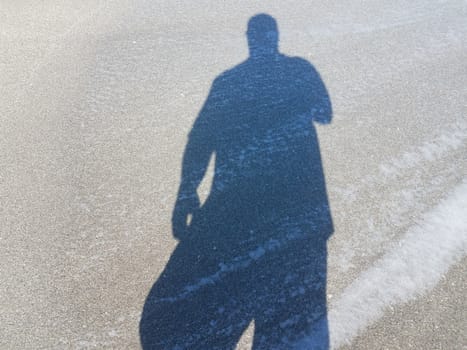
[409, 269]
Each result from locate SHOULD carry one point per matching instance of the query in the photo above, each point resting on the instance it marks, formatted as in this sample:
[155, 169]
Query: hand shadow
[256, 249]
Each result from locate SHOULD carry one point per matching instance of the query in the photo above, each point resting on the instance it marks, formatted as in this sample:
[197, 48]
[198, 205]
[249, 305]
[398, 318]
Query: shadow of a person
[256, 249]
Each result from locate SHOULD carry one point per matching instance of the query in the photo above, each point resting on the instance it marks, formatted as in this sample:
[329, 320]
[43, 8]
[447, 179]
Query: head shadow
[255, 250]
